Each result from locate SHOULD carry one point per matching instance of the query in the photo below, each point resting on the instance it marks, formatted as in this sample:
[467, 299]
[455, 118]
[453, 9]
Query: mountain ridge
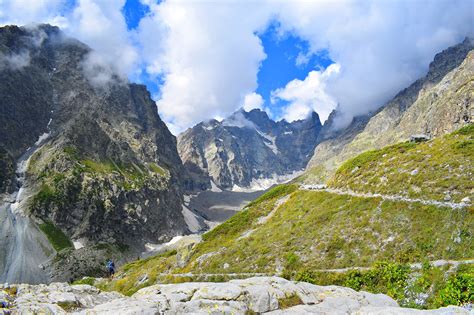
[245, 148]
[396, 120]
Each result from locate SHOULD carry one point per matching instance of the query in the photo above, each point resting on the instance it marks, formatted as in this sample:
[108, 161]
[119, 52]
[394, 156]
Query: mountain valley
[245, 215]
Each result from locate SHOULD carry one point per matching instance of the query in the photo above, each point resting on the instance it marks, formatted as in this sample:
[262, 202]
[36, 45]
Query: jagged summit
[246, 150]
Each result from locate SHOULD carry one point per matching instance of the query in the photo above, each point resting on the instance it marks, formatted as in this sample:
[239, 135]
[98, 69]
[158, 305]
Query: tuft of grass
[85, 280]
[100, 167]
[289, 301]
[467, 130]
[157, 169]
[56, 237]
[45, 195]
[69, 306]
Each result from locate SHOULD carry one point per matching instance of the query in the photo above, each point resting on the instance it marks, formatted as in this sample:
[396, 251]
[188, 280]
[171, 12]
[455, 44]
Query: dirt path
[452, 205]
[414, 266]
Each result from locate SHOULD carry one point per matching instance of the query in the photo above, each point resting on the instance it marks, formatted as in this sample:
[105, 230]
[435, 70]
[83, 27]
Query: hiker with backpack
[110, 267]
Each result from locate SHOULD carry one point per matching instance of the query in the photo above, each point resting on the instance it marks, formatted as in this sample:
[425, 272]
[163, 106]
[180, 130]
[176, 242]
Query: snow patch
[77, 244]
[174, 243]
[269, 138]
[43, 137]
[265, 183]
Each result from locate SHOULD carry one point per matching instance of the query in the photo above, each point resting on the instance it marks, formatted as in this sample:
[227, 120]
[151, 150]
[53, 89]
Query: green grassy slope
[429, 170]
[297, 233]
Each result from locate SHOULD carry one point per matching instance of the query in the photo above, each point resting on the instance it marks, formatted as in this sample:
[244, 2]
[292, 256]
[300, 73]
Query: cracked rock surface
[270, 295]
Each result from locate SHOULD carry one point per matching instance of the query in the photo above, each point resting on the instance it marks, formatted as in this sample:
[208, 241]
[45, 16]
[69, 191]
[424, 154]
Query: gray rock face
[245, 148]
[108, 171]
[434, 105]
[269, 295]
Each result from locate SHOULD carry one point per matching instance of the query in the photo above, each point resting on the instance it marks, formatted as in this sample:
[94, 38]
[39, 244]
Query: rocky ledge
[270, 295]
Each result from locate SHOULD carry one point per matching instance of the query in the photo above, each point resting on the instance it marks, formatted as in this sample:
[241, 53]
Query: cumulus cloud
[101, 25]
[304, 96]
[382, 46]
[209, 56]
[22, 12]
[238, 119]
[98, 23]
[252, 101]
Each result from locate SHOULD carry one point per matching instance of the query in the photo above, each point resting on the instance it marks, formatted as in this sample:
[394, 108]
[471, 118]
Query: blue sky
[134, 11]
[281, 66]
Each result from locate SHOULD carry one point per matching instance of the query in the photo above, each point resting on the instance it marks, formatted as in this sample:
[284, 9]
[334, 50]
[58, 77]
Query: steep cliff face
[107, 170]
[436, 104]
[246, 150]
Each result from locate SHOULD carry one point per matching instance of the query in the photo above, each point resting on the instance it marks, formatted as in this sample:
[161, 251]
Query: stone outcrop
[269, 295]
[246, 150]
[436, 104]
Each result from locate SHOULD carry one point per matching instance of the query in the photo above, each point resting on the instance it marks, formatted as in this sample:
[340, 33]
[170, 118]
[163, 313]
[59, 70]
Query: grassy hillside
[437, 169]
[300, 234]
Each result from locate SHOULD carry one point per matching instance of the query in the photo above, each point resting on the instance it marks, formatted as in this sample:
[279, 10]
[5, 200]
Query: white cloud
[252, 101]
[97, 71]
[307, 95]
[208, 53]
[382, 46]
[26, 11]
[238, 119]
[209, 56]
[100, 24]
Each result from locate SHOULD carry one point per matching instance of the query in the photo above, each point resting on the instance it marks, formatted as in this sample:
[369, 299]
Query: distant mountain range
[247, 150]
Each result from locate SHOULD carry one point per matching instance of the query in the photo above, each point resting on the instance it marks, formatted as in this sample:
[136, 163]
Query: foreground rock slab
[270, 295]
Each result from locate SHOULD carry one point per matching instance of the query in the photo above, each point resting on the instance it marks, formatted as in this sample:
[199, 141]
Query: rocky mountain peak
[101, 167]
[246, 149]
[448, 59]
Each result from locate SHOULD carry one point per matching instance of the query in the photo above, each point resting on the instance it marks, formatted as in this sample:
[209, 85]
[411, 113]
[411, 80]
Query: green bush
[458, 290]
[465, 131]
